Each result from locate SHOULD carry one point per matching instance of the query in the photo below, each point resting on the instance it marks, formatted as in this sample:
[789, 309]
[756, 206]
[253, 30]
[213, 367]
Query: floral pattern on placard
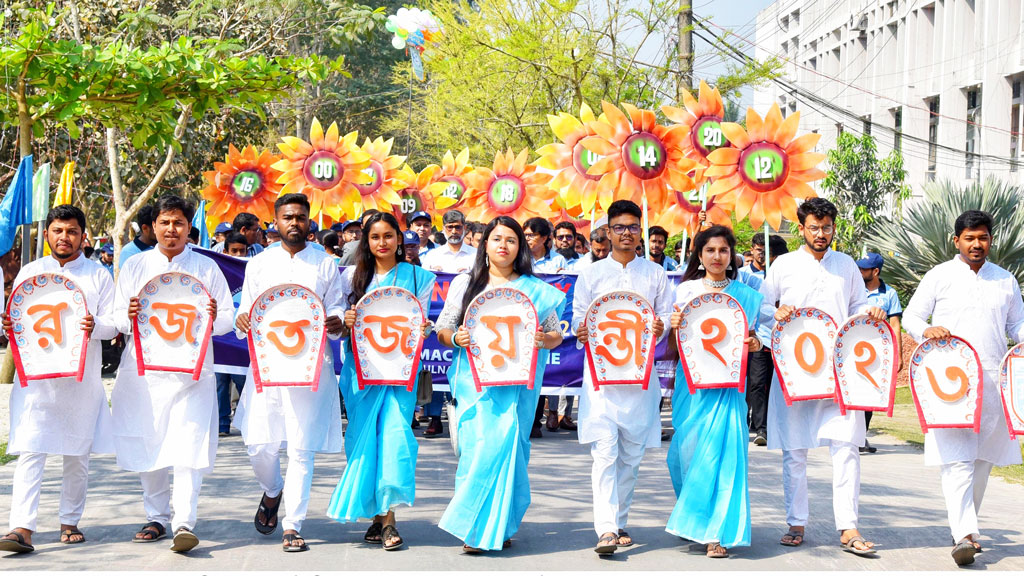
[265, 353]
[395, 302]
[518, 304]
[688, 341]
[605, 369]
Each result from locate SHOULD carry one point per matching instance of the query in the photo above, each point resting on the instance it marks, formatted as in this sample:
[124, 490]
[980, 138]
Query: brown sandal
[65, 536]
[716, 550]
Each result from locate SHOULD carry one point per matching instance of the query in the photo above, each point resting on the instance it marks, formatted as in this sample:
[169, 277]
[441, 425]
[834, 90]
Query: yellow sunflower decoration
[570, 160]
[513, 187]
[326, 169]
[420, 195]
[452, 181]
[386, 178]
[766, 169]
[245, 181]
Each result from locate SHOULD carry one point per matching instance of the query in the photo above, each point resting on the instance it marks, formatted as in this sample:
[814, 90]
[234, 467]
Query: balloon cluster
[412, 27]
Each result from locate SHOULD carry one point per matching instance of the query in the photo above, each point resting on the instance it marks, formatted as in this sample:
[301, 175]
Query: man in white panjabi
[166, 420]
[619, 421]
[61, 416]
[817, 277]
[980, 302]
[455, 257]
[303, 421]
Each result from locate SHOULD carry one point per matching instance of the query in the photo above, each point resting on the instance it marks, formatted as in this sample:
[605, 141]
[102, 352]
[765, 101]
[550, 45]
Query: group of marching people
[164, 424]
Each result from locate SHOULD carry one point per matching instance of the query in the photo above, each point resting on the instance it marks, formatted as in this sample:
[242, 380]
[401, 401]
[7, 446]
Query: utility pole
[685, 25]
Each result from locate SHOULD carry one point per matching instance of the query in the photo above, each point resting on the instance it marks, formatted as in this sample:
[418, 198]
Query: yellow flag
[67, 180]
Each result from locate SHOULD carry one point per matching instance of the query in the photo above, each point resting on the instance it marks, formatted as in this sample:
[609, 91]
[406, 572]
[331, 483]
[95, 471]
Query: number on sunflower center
[763, 168]
[369, 171]
[647, 155]
[816, 346]
[590, 158]
[408, 205]
[323, 169]
[451, 191]
[712, 137]
[507, 192]
[246, 184]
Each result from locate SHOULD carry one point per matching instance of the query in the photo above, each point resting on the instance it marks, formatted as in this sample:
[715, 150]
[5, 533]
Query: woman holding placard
[380, 448]
[492, 489]
[707, 459]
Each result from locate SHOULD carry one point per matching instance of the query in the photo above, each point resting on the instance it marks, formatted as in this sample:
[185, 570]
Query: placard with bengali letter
[866, 362]
[287, 335]
[802, 347]
[502, 324]
[946, 380]
[47, 340]
[387, 337]
[1011, 389]
[620, 339]
[712, 342]
[172, 329]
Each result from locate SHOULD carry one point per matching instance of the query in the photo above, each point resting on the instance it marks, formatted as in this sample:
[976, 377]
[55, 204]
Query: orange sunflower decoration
[327, 169]
[420, 195]
[513, 187]
[570, 160]
[766, 169]
[639, 157]
[245, 181]
[386, 178]
[452, 180]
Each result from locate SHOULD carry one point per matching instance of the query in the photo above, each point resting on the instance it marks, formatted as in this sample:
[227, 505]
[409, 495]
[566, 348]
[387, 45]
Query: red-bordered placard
[712, 342]
[622, 321]
[934, 364]
[866, 360]
[47, 341]
[502, 324]
[172, 329]
[287, 335]
[387, 337]
[1011, 389]
[799, 378]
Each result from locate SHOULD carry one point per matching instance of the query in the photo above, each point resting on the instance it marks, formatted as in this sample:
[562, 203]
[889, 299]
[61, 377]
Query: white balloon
[398, 42]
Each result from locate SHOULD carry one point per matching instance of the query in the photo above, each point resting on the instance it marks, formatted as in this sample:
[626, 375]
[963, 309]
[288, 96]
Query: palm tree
[923, 238]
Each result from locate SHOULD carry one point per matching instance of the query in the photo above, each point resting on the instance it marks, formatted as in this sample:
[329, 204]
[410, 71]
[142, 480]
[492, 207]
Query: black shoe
[415, 423]
[434, 429]
[760, 439]
[535, 432]
[868, 448]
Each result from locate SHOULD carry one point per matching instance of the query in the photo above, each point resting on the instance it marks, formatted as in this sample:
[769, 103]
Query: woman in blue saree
[380, 472]
[707, 458]
[492, 488]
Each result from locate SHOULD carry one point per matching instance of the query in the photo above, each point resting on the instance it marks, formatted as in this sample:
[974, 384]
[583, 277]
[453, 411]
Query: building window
[1016, 122]
[897, 139]
[933, 136]
[973, 134]
[866, 122]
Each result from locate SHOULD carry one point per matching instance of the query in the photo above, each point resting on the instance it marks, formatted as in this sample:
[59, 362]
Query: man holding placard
[817, 277]
[61, 415]
[303, 420]
[980, 302]
[619, 422]
[167, 420]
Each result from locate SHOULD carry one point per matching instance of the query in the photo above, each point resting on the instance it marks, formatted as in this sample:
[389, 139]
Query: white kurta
[982, 309]
[61, 415]
[307, 420]
[835, 286]
[166, 419]
[625, 409]
[444, 259]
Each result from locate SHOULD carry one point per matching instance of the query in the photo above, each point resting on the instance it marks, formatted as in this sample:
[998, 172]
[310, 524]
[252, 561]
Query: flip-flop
[184, 540]
[65, 536]
[388, 533]
[716, 550]
[467, 549]
[372, 535]
[607, 545]
[17, 545]
[963, 553]
[269, 512]
[624, 534]
[793, 535]
[289, 544]
[155, 528]
[849, 546]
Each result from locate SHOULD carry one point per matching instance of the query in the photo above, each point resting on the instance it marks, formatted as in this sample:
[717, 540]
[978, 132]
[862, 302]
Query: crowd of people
[162, 424]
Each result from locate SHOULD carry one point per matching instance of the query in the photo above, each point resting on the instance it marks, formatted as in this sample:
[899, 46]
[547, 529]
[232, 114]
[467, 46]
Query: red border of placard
[785, 393]
[24, 380]
[1005, 365]
[650, 356]
[895, 368]
[257, 379]
[981, 389]
[536, 351]
[741, 385]
[142, 366]
[411, 382]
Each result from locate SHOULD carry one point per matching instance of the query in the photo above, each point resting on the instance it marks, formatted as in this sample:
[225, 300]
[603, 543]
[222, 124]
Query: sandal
[65, 536]
[184, 540]
[269, 514]
[16, 545]
[607, 545]
[467, 549]
[625, 540]
[716, 550]
[289, 543]
[372, 535]
[390, 533]
[796, 538]
[154, 530]
[963, 553]
[850, 546]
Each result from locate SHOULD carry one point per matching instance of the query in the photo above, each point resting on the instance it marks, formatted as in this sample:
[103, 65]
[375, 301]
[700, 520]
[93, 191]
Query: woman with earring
[707, 458]
[380, 473]
[492, 489]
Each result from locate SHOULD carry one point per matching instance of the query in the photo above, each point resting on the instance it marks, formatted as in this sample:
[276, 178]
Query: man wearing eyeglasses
[565, 243]
[818, 277]
[456, 256]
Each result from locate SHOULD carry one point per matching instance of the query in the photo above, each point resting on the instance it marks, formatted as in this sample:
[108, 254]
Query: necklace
[715, 283]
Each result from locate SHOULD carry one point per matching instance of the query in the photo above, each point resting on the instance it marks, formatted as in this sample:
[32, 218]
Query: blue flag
[16, 207]
[199, 223]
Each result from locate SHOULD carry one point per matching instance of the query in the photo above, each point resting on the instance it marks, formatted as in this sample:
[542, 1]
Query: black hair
[89, 251]
[972, 219]
[244, 220]
[692, 272]
[439, 238]
[235, 238]
[566, 226]
[66, 212]
[757, 240]
[366, 263]
[480, 275]
[293, 198]
[600, 235]
[541, 227]
[193, 234]
[820, 208]
[329, 239]
[747, 253]
[620, 207]
[580, 238]
[777, 245]
[657, 231]
[145, 216]
[474, 228]
[170, 203]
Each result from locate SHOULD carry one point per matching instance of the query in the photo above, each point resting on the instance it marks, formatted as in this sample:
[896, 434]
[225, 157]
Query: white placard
[620, 339]
[47, 340]
[502, 324]
[387, 337]
[287, 335]
[173, 326]
[945, 377]
[712, 341]
[865, 359]
[802, 346]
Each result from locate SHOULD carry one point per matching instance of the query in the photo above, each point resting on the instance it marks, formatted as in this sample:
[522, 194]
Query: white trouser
[963, 484]
[565, 402]
[157, 496]
[266, 463]
[28, 479]
[616, 466]
[845, 485]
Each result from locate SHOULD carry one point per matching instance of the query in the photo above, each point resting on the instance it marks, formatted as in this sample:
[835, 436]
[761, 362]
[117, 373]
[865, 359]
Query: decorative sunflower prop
[326, 169]
[767, 168]
[245, 181]
[452, 181]
[639, 157]
[512, 187]
[420, 195]
[701, 123]
[682, 212]
[386, 178]
[570, 160]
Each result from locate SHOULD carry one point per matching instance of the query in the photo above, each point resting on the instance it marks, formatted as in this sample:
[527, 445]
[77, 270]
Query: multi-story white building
[940, 80]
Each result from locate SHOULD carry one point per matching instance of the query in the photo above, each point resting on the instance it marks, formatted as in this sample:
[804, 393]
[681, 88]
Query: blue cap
[417, 215]
[872, 260]
[107, 248]
[337, 227]
[348, 223]
[411, 237]
[313, 226]
[271, 228]
[222, 228]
